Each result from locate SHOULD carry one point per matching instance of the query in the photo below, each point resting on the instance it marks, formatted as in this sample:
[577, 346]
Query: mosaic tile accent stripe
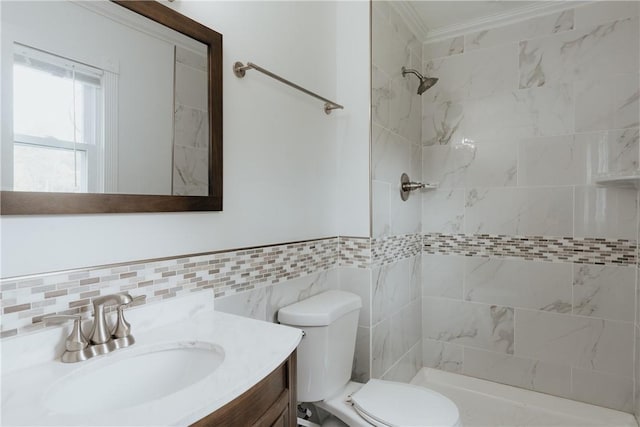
[355, 252]
[535, 248]
[24, 300]
[394, 248]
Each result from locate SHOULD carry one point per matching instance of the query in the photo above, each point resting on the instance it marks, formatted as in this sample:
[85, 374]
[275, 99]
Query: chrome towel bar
[239, 69]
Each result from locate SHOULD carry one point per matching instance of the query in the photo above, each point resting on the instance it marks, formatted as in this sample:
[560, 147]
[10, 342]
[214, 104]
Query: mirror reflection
[98, 99]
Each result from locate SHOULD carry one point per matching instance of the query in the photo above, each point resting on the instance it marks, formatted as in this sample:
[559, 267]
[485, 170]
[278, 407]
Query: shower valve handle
[410, 186]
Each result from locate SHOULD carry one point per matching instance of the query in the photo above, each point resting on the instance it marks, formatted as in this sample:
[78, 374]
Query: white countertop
[253, 349]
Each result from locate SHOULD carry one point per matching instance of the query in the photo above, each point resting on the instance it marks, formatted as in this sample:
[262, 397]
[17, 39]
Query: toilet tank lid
[319, 310]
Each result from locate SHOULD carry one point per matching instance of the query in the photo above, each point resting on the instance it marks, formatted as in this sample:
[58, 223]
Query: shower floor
[485, 403]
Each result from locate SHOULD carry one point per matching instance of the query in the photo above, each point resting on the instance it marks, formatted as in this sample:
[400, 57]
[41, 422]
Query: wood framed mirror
[114, 185]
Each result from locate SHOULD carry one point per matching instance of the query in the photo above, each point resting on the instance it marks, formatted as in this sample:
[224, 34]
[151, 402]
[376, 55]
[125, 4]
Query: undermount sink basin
[119, 381]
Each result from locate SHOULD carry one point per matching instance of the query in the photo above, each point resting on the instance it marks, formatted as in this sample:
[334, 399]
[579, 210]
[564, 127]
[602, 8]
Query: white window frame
[95, 153]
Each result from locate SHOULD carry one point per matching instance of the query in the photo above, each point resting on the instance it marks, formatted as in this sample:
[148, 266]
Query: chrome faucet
[102, 339]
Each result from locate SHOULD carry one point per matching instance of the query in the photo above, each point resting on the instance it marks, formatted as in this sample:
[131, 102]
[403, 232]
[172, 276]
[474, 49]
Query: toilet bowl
[325, 355]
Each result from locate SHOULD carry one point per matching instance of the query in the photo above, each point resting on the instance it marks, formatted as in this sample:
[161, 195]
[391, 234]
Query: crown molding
[411, 18]
[517, 15]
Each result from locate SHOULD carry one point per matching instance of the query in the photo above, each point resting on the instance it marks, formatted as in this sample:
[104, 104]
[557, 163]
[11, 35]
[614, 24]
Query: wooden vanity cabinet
[269, 403]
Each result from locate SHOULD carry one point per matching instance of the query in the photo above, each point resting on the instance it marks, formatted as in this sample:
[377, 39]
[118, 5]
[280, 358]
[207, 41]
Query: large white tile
[531, 28]
[407, 366]
[443, 211]
[448, 47]
[442, 355]
[190, 171]
[358, 281]
[521, 211]
[442, 275]
[543, 111]
[404, 215]
[403, 34]
[581, 342]
[405, 111]
[620, 153]
[470, 324]
[557, 160]
[442, 123]
[193, 59]
[380, 192]
[608, 102]
[517, 371]
[606, 292]
[394, 286]
[581, 54]
[473, 75]
[361, 370]
[514, 283]
[191, 87]
[191, 127]
[606, 212]
[381, 348]
[380, 94]
[489, 164]
[251, 304]
[610, 391]
[298, 289]
[391, 155]
[471, 163]
[601, 12]
[443, 165]
[406, 330]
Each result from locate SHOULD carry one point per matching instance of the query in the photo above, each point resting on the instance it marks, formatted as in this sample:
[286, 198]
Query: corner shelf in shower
[626, 180]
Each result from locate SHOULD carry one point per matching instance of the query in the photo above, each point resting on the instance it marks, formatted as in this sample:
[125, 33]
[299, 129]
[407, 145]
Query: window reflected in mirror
[124, 111]
[58, 138]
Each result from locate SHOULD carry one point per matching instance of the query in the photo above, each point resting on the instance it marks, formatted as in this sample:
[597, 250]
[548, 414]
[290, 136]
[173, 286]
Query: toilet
[330, 322]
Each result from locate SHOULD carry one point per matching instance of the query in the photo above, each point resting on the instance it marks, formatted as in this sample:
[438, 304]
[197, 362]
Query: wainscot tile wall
[388, 342]
[26, 299]
[529, 269]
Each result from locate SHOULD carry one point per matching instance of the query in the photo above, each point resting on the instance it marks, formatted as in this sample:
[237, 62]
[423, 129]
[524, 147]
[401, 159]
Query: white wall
[354, 92]
[279, 153]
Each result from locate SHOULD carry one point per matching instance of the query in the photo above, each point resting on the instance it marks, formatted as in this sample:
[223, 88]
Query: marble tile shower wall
[190, 131]
[392, 328]
[522, 120]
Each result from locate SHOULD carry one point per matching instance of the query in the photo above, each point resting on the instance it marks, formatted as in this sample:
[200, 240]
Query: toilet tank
[325, 354]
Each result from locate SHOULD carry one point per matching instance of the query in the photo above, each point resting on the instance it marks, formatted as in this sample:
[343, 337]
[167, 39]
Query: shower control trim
[407, 186]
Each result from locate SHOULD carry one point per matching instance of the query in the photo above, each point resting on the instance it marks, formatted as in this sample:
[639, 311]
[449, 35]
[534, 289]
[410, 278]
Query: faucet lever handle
[133, 301]
[76, 340]
[123, 328]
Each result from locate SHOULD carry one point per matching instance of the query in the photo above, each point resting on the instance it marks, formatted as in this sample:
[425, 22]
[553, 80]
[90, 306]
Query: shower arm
[406, 70]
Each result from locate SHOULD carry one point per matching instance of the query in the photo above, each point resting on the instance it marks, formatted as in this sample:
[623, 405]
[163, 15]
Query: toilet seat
[392, 404]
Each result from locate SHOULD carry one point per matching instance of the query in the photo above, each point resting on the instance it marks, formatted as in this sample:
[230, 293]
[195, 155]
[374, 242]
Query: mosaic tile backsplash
[26, 299]
[354, 251]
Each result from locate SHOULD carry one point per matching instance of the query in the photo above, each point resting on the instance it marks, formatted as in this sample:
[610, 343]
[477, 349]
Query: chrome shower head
[425, 82]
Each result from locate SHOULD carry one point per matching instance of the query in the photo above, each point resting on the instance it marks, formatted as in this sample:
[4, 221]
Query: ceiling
[437, 15]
